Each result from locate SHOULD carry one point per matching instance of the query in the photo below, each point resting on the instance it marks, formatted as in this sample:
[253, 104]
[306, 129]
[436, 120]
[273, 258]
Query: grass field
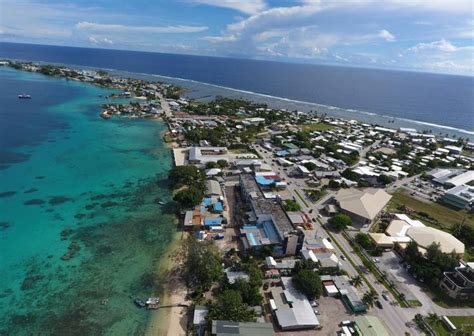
[463, 323]
[443, 216]
[414, 303]
[317, 127]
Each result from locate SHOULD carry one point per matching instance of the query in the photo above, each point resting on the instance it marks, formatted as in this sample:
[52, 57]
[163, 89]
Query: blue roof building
[213, 221]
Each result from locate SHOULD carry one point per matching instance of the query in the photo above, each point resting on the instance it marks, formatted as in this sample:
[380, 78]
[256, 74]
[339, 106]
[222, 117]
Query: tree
[309, 283]
[222, 163]
[340, 222]
[186, 175]
[230, 307]
[357, 281]
[364, 240]
[384, 179]
[291, 205]
[433, 317]
[333, 184]
[189, 197]
[210, 165]
[369, 298]
[310, 165]
[202, 263]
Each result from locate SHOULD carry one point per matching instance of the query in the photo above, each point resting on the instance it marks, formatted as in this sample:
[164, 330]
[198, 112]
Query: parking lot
[424, 190]
[389, 264]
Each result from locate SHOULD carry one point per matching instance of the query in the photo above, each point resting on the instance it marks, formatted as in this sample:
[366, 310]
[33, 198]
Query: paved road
[165, 106]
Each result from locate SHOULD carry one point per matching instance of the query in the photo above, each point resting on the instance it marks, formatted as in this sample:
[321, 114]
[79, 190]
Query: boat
[153, 303]
[161, 202]
[24, 96]
[139, 303]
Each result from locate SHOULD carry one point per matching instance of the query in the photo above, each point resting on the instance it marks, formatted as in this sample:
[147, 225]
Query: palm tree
[370, 298]
[357, 281]
[433, 317]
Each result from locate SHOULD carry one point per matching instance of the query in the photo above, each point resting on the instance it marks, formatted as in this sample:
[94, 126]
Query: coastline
[277, 102]
[170, 321]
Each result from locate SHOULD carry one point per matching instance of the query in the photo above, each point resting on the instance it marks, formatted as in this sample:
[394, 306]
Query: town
[302, 223]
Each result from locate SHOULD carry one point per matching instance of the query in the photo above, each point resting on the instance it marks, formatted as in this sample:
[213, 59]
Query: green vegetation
[230, 307]
[202, 264]
[368, 244]
[430, 266]
[290, 205]
[190, 182]
[216, 136]
[464, 324]
[439, 215]
[308, 282]
[340, 222]
[315, 195]
[414, 303]
[317, 127]
[370, 297]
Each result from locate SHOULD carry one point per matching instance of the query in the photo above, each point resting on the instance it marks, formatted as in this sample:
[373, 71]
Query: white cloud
[100, 40]
[386, 35]
[244, 6]
[441, 45]
[219, 39]
[118, 28]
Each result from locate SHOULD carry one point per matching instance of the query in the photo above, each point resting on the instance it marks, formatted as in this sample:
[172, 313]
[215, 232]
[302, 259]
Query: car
[265, 286]
[376, 260]
[378, 304]
[314, 220]
[316, 311]
[310, 210]
[314, 303]
[343, 257]
[385, 297]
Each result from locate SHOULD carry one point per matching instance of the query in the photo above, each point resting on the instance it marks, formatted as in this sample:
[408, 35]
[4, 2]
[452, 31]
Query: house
[213, 188]
[230, 328]
[363, 206]
[460, 283]
[291, 308]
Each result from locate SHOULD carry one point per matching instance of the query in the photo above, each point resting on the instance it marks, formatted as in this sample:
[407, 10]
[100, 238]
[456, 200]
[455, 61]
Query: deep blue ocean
[430, 100]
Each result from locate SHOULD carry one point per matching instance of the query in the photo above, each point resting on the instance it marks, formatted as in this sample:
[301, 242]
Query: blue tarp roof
[218, 206]
[207, 201]
[251, 239]
[282, 153]
[211, 221]
[263, 181]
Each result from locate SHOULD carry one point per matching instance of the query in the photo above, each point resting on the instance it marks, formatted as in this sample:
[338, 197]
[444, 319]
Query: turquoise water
[83, 181]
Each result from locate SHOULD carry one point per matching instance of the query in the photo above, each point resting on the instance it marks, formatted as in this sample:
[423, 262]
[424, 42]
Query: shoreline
[169, 321]
[334, 111]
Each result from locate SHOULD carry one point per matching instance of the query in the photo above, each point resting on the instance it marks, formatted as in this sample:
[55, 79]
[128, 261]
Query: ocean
[74, 184]
[436, 102]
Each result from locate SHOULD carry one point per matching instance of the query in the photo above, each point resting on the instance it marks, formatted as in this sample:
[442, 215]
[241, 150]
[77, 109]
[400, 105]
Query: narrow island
[295, 221]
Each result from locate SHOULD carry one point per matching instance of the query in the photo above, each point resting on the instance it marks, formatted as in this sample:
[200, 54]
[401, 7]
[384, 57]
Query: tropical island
[293, 221]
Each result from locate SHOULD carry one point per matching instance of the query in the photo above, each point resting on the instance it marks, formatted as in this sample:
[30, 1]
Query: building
[403, 230]
[460, 283]
[370, 326]
[460, 179]
[267, 222]
[349, 294]
[202, 155]
[460, 197]
[425, 236]
[291, 308]
[213, 188]
[200, 314]
[363, 206]
[230, 328]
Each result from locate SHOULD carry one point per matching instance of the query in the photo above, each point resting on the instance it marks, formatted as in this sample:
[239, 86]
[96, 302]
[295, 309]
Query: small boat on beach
[161, 202]
[153, 303]
[24, 96]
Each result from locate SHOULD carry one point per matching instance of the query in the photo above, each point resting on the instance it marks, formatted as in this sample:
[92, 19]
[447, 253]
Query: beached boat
[24, 96]
[153, 303]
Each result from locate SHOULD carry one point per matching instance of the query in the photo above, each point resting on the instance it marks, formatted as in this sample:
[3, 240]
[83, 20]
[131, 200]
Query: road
[165, 106]
[394, 317]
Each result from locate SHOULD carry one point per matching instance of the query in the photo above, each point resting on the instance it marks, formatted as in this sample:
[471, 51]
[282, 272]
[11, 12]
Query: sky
[419, 35]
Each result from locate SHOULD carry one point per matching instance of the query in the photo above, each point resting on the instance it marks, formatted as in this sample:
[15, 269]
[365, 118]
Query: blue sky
[422, 35]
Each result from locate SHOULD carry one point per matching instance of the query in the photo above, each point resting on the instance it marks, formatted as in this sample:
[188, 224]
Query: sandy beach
[171, 321]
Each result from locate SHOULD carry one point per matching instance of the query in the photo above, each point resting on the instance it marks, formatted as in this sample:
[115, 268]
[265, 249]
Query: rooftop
[364, 203]
[230, 328]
